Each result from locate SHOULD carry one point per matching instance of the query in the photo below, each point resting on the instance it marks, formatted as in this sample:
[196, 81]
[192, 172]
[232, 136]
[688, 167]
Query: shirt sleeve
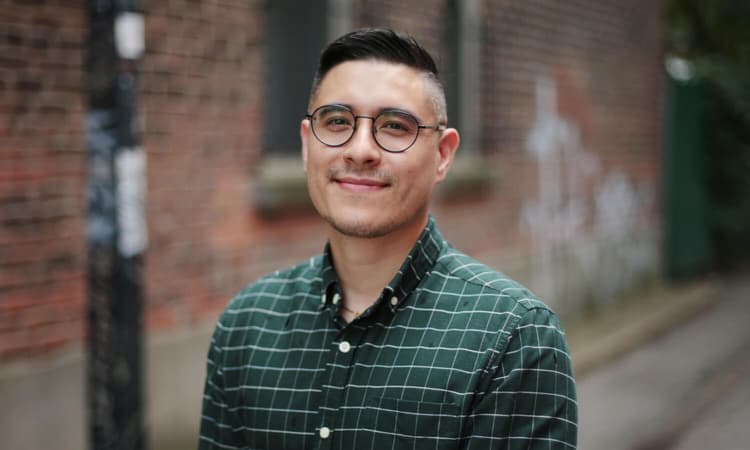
[529, 398]
[220, 425]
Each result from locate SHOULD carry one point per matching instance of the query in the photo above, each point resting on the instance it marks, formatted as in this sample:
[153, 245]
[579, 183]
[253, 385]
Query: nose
[362, 149]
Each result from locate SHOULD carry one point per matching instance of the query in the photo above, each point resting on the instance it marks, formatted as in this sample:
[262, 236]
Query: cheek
[316, 165]
[314, 172]
[421, 172]
[416, 181]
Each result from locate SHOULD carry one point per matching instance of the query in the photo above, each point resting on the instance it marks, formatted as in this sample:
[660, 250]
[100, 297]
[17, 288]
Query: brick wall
[573, 98]
[422, 19]
[201, 93]
[571, 125]
[568, 89]
[42, 163]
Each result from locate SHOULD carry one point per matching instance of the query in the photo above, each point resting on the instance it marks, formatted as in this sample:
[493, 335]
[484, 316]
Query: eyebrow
[379, 111]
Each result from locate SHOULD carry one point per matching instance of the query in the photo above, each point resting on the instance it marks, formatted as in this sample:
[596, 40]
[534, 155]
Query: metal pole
[116, 226]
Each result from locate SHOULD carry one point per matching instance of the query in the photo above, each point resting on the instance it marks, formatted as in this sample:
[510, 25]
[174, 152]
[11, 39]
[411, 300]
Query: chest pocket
[401, 424]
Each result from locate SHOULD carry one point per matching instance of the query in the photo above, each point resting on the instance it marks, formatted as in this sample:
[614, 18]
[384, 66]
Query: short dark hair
[381, 45]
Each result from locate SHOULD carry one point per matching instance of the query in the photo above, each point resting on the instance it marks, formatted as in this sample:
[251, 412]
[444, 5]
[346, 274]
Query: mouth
[358, 184]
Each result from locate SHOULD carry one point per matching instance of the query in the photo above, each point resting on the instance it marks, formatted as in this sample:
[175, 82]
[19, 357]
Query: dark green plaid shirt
[453, 355]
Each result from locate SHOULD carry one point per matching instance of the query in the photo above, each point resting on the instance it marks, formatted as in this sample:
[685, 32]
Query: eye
[334, 119]
[396, 123]
[337, 121]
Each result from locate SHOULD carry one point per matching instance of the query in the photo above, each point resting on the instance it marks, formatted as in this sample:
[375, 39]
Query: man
[390, 338]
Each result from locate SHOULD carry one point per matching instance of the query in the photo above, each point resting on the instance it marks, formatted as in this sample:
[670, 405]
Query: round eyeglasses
[393, 130]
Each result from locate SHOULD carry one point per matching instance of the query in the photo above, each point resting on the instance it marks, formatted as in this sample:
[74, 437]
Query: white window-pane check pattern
[463, 358]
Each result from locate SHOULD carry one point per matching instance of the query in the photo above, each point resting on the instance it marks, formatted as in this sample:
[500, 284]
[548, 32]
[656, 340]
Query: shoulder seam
[527, 300]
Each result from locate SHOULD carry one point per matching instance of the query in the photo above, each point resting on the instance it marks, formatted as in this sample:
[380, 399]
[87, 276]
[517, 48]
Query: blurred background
[149, 169]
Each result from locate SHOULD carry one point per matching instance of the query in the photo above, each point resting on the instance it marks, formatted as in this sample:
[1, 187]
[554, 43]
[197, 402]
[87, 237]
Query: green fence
[686, 202]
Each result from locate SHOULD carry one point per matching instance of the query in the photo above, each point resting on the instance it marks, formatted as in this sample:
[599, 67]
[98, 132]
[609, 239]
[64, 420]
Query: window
[296, 31]
[462, 68]
[295, 34]
[462, 75]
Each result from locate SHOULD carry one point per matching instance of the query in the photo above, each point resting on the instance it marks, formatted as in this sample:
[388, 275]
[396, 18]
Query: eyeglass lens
[394, 131]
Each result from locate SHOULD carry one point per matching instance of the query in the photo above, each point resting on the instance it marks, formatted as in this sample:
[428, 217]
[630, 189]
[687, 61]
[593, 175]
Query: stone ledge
[614, 331]
[280, 185]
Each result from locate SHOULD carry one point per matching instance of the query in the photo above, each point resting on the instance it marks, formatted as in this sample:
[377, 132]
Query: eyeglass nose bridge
[372, 126]
[373, 131]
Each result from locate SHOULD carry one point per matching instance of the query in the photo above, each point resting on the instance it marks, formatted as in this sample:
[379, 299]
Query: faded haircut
[388, 46]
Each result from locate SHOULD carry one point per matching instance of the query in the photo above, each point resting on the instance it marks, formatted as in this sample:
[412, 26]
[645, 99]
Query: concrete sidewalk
[663, 372]
[669, 369]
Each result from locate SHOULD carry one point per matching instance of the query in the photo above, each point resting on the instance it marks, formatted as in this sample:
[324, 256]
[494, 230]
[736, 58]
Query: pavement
[670, 371]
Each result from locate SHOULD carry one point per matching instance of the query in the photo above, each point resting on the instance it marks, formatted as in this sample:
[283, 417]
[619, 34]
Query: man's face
[359, 188]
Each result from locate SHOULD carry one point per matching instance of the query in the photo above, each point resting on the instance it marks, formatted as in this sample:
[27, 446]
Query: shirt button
[325, 432]
[394, 301]
[336, 298]
[344, 347]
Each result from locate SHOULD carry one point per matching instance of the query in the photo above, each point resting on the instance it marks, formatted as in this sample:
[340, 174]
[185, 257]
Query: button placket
[340, 365]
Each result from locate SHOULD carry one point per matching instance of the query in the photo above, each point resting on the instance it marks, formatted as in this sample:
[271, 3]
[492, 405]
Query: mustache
[380, 176]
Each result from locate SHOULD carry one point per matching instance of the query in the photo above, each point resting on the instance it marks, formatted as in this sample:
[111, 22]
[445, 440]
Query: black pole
[116, 226]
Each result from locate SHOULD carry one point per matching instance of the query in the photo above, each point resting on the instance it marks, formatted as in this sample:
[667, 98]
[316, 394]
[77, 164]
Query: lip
[355, 184]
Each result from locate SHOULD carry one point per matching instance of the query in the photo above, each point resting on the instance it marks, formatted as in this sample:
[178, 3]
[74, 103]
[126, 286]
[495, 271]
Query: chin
[373, 225]
[361, 228]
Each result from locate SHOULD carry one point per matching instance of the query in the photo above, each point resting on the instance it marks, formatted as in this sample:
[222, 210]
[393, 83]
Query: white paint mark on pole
[129, 39]
[131, 193]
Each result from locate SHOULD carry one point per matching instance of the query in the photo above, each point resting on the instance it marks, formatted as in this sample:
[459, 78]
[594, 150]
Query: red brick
[202, 84]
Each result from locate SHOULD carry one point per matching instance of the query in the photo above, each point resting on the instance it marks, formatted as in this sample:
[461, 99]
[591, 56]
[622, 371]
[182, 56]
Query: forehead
[370, 85]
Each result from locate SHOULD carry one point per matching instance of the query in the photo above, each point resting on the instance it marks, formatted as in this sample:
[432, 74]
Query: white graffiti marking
[577, 217]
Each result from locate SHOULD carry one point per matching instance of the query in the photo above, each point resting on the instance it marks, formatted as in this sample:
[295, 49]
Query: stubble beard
[367, 230]
[360, 228]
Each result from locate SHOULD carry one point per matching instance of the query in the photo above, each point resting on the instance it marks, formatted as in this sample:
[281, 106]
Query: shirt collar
[415, 267]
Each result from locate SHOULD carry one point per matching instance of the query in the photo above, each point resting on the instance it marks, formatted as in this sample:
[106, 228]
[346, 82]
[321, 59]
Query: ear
[304, 133]
[447, 147]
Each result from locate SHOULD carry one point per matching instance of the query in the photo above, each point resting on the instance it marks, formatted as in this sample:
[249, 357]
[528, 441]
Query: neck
[366, 265]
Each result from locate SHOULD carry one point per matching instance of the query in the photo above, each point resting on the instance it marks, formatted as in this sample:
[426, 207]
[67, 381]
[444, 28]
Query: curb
[614, 331]
[735, 370]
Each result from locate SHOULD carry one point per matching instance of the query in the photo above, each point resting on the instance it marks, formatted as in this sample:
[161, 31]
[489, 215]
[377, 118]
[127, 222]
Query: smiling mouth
[361, 184]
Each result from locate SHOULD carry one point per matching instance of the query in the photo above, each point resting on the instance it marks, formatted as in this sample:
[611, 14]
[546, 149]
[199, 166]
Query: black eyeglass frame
[438, 127]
